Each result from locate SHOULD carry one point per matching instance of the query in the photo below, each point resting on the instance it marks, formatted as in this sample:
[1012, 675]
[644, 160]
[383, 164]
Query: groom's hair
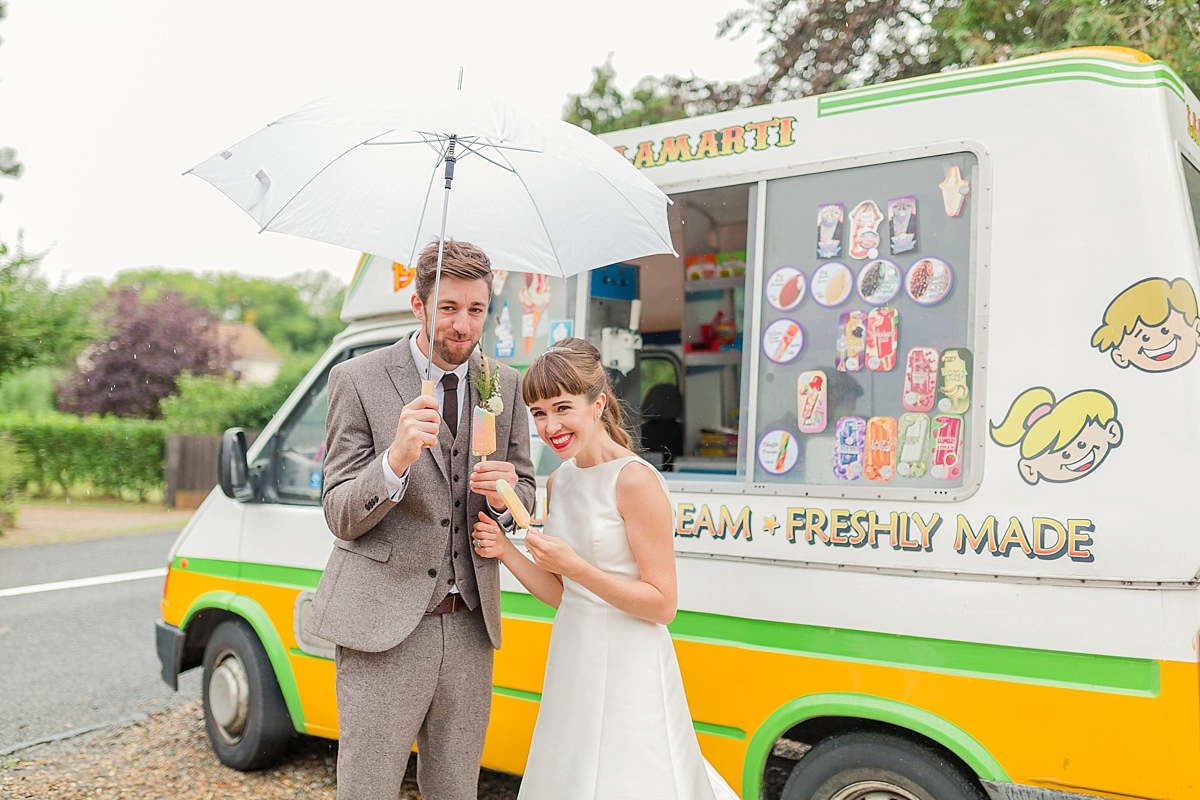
[460, 260]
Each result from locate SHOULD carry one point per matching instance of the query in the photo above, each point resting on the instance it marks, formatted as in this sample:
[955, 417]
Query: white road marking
[119, 577]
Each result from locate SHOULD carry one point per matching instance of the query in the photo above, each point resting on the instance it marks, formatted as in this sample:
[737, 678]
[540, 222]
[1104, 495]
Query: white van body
[1034, 628]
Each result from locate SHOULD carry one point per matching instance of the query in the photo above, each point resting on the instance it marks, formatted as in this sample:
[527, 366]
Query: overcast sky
[107, 102]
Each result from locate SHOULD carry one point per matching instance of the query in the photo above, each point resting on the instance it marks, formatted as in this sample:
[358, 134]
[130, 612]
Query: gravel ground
[166, 756]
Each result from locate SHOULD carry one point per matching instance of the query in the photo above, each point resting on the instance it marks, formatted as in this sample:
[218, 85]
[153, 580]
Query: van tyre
[876, 766]
[245, 716]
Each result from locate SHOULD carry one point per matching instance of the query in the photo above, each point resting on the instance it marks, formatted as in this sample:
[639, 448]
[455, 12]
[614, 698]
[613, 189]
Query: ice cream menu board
[867, 333]
[523, 307]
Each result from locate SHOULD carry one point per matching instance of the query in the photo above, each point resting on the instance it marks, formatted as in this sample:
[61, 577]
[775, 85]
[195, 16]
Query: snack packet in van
[912, 445]
[920, 379]
[848, 448]
[880, 449]
[883, 335]
[811, 399]
[945, 462]
[954, 388]
[851, 341]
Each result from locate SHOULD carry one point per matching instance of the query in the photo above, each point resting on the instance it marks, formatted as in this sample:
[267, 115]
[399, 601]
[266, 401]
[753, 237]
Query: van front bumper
[169, 640]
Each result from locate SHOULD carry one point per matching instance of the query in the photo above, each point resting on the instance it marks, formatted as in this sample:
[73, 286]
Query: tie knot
[450, 381]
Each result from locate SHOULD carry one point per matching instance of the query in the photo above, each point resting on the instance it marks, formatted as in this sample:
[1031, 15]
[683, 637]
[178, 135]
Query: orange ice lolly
[483, 432]
[513, 502]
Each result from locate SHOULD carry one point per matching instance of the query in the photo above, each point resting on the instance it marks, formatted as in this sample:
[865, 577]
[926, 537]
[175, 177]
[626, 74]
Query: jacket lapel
[406, 377]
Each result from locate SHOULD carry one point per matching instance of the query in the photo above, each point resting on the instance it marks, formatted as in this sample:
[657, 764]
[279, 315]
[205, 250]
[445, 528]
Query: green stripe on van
[1114, 674]
[1112, 73]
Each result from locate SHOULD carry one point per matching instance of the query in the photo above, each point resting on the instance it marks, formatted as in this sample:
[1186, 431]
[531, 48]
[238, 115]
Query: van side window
[1191, 177]
[299, 446]
[867, 339]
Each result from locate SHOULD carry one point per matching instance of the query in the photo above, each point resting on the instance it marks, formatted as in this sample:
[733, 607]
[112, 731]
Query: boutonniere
[487, 382]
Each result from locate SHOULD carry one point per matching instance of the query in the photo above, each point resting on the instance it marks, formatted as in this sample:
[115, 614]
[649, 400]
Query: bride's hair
[572, 366]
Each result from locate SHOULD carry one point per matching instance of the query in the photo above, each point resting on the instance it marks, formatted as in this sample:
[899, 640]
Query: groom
[413, 610]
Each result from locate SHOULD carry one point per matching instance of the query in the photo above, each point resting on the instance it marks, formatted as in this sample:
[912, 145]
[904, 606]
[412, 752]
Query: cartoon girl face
[1079, 458]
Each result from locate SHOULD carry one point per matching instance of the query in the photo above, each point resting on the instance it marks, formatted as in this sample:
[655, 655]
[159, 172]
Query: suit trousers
[435, 688]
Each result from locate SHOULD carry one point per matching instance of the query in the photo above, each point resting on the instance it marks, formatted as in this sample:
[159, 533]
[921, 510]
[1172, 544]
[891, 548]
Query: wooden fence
[191, 468]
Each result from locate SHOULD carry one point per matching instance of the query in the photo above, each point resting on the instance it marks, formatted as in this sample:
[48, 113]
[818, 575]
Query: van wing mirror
[233, 472]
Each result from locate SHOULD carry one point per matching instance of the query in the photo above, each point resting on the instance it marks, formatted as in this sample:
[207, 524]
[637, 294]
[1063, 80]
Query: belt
[451, 602]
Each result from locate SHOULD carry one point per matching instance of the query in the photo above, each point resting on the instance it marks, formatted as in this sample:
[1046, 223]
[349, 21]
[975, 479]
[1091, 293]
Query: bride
[614, 721]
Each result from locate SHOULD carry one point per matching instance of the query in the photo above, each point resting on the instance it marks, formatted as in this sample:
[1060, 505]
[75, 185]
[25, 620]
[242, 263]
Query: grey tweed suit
[404, 675]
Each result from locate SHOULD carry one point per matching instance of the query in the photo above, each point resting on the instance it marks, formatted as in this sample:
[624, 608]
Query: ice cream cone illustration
[534, 297]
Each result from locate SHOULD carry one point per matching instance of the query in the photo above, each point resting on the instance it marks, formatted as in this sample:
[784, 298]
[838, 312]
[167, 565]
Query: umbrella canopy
[367, 172]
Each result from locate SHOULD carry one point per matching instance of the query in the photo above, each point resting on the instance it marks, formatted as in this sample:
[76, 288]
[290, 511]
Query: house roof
[245, 340]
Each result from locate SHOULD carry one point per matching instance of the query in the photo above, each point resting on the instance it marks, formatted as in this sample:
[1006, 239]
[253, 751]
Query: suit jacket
[382, 572]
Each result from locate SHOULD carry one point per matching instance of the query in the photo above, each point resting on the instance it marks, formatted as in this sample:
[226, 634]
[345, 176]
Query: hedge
[107, 453]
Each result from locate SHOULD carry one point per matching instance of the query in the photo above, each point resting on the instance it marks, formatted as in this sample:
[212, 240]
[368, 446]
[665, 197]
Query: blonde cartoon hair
[1149, 301]
[1042, 425]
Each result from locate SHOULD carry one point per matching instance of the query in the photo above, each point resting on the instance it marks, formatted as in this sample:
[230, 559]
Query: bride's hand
[487, 538]
[551, 553]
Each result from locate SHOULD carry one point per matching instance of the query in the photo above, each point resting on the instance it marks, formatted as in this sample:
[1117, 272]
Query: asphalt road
[83, 657]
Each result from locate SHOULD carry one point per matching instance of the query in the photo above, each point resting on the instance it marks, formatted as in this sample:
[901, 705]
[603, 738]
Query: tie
[450, 402]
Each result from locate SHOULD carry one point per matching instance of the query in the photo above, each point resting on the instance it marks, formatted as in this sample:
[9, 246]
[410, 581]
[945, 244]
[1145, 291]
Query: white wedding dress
[614, 721]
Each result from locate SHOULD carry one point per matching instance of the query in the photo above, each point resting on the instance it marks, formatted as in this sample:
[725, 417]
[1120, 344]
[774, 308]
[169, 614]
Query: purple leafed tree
[131, 370]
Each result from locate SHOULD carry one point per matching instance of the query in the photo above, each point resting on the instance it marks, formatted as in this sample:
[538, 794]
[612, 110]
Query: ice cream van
[923, 384]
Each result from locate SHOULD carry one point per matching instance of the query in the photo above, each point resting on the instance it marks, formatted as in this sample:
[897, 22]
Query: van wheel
[244, 713]
[876, 766]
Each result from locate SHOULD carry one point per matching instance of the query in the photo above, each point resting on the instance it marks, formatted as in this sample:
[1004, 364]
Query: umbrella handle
[427, 390]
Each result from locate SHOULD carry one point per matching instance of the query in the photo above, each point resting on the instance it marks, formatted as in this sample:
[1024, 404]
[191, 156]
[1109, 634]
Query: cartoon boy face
[1079, 458]
[1159, 348]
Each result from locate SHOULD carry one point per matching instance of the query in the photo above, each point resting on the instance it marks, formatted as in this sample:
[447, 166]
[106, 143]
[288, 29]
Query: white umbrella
[374, 173]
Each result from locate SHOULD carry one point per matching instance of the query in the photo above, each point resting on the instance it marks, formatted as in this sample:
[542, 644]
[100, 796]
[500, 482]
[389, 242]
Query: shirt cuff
[503, 518]
[395, 484]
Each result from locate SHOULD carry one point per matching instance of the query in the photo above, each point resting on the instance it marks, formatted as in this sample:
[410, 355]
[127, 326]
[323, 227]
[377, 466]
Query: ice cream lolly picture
[945, 462]
[534, 297]
[912, 445]
[848, 448]
[829, 229]
[785, 288]
[864, 238]
[954, 385]
[520, 515]
[782, 340]
[879, 281]
[920, 379]
[955, 189]
[902, 223]
[831, 284]
[811, 399]
[880, 449]
[928, 281]
[778, 451]
[883, 338]
[851, 341]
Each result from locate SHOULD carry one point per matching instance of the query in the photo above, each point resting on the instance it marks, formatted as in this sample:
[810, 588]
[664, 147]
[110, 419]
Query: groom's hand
[487, 538]
[483, 481]
[417, 428]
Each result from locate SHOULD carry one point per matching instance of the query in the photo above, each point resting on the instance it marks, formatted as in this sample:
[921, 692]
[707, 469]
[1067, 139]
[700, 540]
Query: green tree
[38, 325]
[815, 46]
[986, 31]
[299, 314]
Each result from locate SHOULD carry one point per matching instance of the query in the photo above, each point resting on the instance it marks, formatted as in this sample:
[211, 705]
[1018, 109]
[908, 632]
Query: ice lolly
[513, 502]
[483, 432]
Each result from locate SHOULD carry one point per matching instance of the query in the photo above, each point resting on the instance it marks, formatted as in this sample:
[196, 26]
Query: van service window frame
[979, 248]
[1191, 201]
